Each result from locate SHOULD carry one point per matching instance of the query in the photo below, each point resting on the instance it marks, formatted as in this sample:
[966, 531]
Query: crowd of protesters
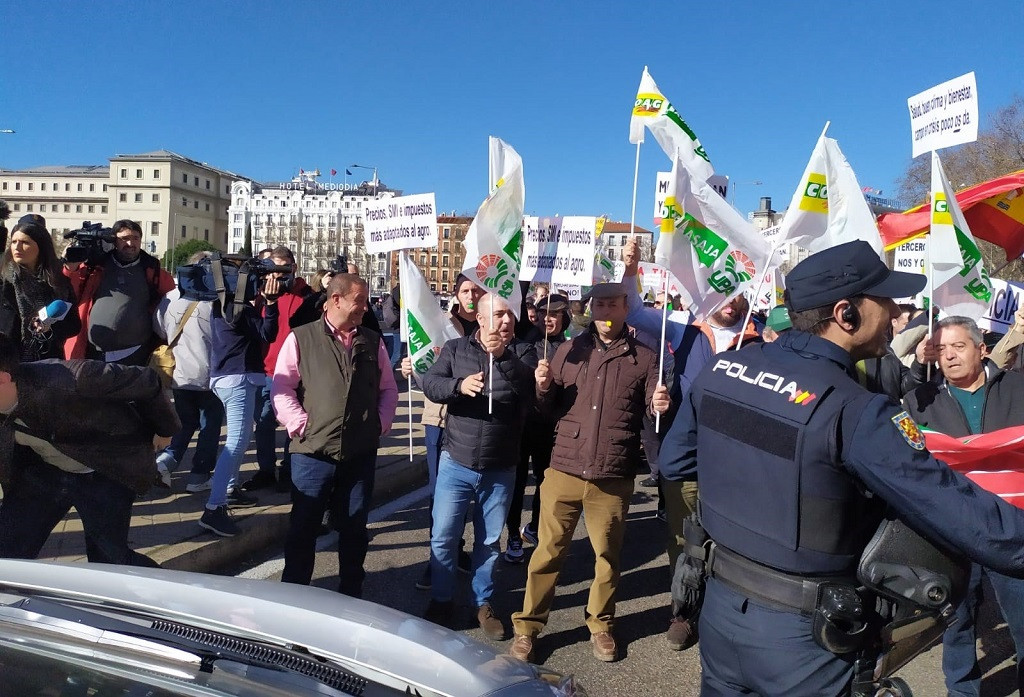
[571, 392]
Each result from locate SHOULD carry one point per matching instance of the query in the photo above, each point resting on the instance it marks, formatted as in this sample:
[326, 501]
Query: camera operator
[117, 293]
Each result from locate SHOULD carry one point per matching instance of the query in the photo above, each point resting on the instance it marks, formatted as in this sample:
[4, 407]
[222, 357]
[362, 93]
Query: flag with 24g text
[713, 251]
[653, 110]
[425, 328]
[494, 242]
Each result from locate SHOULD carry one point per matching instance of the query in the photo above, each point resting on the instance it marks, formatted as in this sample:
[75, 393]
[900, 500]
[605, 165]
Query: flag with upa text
[494, 242]
[828, 207]
[653, 110]
[713, 251]
[425, 327]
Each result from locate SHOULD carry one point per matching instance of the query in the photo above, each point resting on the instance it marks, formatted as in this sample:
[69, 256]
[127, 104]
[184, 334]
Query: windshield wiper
[202, 644]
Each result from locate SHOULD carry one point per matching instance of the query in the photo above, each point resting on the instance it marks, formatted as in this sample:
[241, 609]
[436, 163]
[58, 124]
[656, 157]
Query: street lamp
[736, 184]
[374, 176]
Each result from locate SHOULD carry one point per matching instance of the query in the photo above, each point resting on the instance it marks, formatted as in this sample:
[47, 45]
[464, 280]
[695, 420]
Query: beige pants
[563, 498]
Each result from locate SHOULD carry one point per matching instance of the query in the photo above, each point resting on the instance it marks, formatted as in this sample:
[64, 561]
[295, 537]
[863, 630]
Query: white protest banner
[944, 115]
[911, 256]
[572, 292]
[559, 250]
[720, 183]
[770, 293]
[1006, 299]
[652, 277]
[405, 222]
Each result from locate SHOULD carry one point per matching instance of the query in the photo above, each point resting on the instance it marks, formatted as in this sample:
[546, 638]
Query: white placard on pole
[944, 115]
[405, 222]
[559, 250]
[718, 182]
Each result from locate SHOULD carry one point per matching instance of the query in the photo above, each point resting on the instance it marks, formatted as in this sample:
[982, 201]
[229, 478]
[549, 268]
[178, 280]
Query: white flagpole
[931, 300]
[403, 258]
[636, 174]
[410, 416]
[490, 369]
[661, 354]
[757, 293]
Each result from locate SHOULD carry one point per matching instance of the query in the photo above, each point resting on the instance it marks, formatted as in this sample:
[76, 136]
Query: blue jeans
[239, 403]
[39, 497]
[458, 487]
[202, 410]
[959, 655]
[433, 436]
[346, 488]
[266, 430]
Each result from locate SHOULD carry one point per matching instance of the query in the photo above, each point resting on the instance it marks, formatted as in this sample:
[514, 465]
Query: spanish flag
[994, 461]
[994, 211]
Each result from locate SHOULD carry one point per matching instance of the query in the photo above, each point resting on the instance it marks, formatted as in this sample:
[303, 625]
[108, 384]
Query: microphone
[54, 312]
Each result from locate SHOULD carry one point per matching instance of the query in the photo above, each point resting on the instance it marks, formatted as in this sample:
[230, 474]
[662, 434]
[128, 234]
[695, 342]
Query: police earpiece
[850, 316]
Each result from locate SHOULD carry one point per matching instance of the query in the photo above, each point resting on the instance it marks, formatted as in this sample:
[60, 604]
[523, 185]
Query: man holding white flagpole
[480, 455]
[598, 387]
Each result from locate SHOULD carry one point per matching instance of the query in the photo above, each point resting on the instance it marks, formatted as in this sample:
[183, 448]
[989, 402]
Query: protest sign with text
[1006, 299]
[559, 250]
[405, 222]
[718, 182]
[944, 115]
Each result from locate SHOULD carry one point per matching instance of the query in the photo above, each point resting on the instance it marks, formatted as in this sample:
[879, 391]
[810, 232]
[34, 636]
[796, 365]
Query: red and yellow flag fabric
[994, 211]
[994, 461]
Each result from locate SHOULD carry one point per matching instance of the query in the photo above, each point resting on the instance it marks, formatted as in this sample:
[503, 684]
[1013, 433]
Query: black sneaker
[424, 583]
[260, 480]
[218, 521]
[240, 499]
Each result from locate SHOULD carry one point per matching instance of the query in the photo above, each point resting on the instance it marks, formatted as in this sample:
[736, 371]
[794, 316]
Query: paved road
[399, 549]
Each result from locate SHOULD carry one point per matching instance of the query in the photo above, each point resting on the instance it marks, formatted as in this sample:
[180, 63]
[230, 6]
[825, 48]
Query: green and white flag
[828, 207]
[654, 111]
[425, 327]
[713, 251]
[961, 284]
[494, 242]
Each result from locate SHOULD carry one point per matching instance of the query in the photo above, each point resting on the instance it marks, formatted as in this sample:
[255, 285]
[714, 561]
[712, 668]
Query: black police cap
[845, 271]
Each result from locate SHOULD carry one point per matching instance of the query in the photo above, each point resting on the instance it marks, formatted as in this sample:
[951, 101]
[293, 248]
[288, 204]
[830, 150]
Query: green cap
[778, 318]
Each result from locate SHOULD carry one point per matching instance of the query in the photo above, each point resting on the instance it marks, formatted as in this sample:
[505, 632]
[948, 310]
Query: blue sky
[415, 88]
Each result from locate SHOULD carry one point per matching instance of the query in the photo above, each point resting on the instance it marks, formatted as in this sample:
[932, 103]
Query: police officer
[796, 462]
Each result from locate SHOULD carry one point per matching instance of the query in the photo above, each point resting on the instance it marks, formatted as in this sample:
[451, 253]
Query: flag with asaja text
[425, 327]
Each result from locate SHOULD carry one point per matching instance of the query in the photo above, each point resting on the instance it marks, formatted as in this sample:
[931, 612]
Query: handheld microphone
[54, 312]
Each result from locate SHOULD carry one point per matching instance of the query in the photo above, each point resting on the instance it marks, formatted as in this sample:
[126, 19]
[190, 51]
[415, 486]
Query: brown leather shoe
[604, 646]
[522, 648]
[681, 634]
[492, 626]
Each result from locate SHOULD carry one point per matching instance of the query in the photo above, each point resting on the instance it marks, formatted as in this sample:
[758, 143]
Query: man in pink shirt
[333, 390]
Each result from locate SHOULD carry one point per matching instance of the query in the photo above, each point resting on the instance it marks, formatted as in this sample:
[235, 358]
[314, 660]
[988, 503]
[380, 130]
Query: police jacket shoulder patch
[909, 430]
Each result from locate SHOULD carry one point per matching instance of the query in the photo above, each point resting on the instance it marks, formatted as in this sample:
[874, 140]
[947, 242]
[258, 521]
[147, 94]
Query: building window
[103, 209]
[611, 254]
[53, 208]
[78, 209]
[444, 260]
[104, 188]
[92, 187]
[79, 187]
[138, 174]
[207, 183]
[156, 198]
[423, 259]
[17, 186]
[67, 208]
[444, 274]
[154, 228]
[138, 198]
[227, 189]
[237, 232]
[42, 187]
[196, 204]
[433, 287]
[433, 260]
[184, 180]
[182, 230]
[17, 206]
[30, 186]
[184, 201]
[92, 209]
[206, 235]
[445, 247]
[28, 207]
[447, 232]
[196, 181]
[207, 206]
[122, 197]
[5, 186]
[156, 174]
[124, 173]
[67, 187]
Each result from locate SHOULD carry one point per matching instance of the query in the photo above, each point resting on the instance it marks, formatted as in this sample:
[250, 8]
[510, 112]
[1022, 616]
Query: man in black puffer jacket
[480, 451]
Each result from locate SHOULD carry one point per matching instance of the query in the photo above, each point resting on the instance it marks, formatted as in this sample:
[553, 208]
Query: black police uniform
[796, 462]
